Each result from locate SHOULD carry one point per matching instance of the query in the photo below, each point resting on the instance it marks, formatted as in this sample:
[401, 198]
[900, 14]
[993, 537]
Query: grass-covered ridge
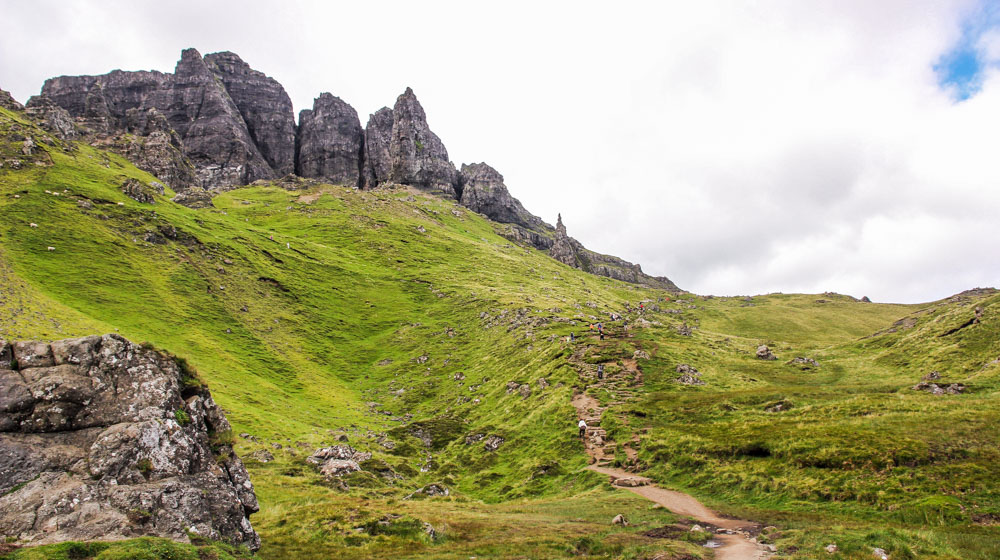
[398, 320]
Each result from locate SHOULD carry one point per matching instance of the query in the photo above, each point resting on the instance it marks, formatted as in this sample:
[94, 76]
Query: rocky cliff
[216, 123]
[330, 142]
[101, 439]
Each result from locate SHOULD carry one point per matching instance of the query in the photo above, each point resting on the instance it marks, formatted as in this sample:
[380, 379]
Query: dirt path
[734, 543]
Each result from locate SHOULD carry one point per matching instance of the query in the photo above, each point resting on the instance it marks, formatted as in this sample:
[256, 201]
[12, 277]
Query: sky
[735, 147]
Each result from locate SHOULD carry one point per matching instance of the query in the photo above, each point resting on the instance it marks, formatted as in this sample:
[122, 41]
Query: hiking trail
[620, 379]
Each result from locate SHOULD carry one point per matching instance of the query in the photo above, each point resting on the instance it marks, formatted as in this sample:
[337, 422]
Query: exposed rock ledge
[101, 439]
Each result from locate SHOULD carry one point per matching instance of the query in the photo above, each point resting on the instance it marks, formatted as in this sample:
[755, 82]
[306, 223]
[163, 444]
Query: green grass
[299, 309]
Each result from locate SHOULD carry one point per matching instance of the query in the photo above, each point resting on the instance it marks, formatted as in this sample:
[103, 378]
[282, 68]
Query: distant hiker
[602, 335]
[600, 371]
[583, 428]
[572, 337]
[271, 237]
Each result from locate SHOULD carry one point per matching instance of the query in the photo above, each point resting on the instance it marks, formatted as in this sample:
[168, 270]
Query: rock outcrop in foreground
[101, 439]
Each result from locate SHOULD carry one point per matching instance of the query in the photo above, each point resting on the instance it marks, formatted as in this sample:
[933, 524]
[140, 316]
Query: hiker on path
[600, 371]
[583, 428]
[572, 337]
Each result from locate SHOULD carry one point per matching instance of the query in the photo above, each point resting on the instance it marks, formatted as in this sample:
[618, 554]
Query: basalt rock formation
[330, 142]
[101, 439]
[265, 107]
[416, 155]
[216, 123]
[483, 191]
[196, 105]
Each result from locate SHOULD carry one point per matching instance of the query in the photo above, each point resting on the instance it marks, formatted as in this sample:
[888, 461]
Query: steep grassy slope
[399, 321]
[304, 309]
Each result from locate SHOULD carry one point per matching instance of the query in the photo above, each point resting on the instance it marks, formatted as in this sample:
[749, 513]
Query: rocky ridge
[216, 123]
[101, 439]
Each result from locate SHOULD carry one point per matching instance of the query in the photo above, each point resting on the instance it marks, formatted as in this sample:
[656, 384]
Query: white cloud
[737, 149]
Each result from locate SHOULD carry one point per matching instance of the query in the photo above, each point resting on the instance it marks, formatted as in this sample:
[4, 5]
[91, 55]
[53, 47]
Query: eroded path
[733, 534]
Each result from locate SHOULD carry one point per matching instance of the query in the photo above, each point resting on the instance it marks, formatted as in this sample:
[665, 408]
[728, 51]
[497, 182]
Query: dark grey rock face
[330, 142]
[562, 248]
[417, 155]
[215, 137]
[102, 439]
[264, 105]
[378, 136]
[483, 191]
[53, 118]
[196, 106]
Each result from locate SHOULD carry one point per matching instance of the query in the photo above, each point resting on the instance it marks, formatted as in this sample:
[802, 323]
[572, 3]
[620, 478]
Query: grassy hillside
[398, 320]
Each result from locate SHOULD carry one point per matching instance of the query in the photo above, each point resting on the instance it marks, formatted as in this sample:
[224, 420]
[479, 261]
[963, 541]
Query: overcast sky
[735, 147]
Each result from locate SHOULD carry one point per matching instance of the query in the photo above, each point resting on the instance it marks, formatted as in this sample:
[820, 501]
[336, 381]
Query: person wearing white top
[583, 428]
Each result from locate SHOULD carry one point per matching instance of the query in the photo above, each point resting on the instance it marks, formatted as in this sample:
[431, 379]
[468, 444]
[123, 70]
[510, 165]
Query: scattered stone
[543, 383]
[640, 355]
[459, 376]
[831, 548]
[697, 528]
[779, 406]
[688, 379]
[684, 329]
[880, 554]
[685, 368]
[28, 146]
[262, 456]
[493, 443]
[525, 390]
[422, 359]
[935, 389]
[511, 386]
[194, 197]
[430, 491]
[470, 439]
[276, 445]
[620, 520]
[631, 482]
[934, 375]
[764, 353]
[138, 192]
[805, 362]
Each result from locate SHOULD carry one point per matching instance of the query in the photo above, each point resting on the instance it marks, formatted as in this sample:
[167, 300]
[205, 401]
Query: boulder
[330, 142]
[195, 197]
[764, 353]
[113, 429]
[685, 368]
[688, 379]
[935, 389]
[620, 520]
[804, 362]
[934, 375]
[493, 443]
[134, 189]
